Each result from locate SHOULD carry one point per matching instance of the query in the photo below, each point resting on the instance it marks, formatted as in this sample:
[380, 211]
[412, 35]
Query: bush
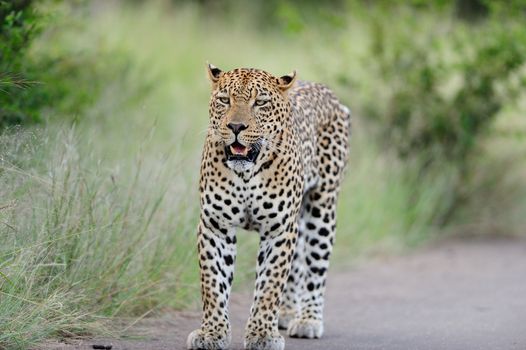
[57, 81]
[420, 118]
[443, 92]
[18, 27]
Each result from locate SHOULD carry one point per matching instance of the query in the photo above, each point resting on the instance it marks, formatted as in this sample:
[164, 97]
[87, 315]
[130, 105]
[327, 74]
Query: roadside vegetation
[103, 111]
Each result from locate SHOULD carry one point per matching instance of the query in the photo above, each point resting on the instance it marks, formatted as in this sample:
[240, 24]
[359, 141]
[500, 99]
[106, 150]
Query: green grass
[81, 241]
[98, 219]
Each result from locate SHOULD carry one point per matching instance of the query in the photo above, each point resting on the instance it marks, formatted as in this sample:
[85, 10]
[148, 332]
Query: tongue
[239, 150]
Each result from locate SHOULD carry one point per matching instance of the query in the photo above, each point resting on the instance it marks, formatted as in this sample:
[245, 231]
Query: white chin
[239, 165]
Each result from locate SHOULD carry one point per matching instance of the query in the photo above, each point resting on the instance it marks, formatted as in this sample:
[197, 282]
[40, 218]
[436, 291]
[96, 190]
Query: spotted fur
[273, 162]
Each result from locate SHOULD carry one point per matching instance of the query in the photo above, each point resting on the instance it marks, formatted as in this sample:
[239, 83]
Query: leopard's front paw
[267, 342]
[305, 328]
[285, 316]
[200, 339]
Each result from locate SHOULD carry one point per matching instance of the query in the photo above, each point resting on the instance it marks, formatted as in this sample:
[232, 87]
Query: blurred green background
[103, 113]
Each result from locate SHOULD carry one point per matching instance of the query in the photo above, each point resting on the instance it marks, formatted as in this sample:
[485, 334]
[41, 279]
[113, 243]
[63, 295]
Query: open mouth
[237, 151]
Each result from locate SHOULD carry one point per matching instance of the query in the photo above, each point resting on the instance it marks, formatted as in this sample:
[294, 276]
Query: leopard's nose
[236, 127]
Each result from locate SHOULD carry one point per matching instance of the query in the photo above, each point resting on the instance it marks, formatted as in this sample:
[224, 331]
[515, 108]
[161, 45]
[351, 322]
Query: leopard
[274, 157]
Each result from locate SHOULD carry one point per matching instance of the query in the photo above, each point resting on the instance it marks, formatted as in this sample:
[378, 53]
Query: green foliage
[56, 82]
[18, 27]
[443, 92]
[420, 117]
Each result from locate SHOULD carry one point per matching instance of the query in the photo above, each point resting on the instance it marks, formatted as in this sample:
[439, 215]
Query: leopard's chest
[267, 203]
[263, 203]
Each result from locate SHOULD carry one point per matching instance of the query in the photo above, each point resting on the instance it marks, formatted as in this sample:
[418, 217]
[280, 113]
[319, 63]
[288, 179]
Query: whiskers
[273, 141]
[274, 146]
[213, 134]
[257, 145]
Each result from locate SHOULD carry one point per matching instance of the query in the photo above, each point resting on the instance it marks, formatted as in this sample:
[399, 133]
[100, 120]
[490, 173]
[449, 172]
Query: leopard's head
[248, 111]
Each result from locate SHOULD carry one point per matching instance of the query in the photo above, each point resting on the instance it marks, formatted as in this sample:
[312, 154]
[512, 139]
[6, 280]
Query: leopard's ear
[213, 72]
[286, 81]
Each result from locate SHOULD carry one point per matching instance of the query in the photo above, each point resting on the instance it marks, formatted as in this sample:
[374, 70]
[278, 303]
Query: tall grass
[82, 241]
[98, 219]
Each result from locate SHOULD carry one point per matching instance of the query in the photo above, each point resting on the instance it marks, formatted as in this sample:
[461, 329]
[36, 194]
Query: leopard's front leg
[274, 259]
[217, 254]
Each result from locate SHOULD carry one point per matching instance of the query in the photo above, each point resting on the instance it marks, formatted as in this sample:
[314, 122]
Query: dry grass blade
[11, 204]
[4, 276]
[10, 226]
[15, 80]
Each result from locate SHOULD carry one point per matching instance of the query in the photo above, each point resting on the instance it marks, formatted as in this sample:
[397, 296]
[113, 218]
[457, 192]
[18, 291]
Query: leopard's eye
[224, 100]
[261, 102]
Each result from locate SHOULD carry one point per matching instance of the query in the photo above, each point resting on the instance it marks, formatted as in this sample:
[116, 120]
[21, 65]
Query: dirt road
[465, 295]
